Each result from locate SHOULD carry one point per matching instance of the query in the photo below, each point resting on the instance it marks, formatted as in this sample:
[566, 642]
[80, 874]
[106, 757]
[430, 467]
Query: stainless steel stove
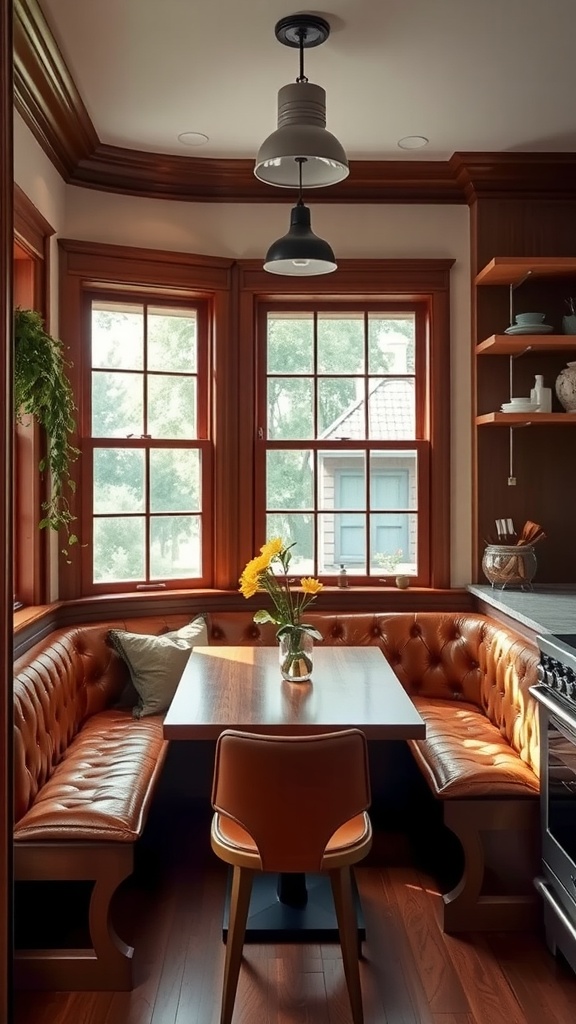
[556, 696]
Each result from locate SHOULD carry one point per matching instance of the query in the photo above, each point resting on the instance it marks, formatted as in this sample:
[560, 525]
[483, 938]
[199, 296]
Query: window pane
[341, 343]
[290, 479]
[171, 406]
[290, 408]
[393, 480]
[290, 343]
[391, 343]
[171, 340]
[119, 549]
[117, 335]
[174, 480]
[393, 543]
[174, 547]
[392, 408]
[118, 480]
[341, 408]
[117, 404]
[298, 529]
[341, 480]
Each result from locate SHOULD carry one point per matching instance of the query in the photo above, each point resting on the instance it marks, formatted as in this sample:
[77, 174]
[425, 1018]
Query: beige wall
[245, 231]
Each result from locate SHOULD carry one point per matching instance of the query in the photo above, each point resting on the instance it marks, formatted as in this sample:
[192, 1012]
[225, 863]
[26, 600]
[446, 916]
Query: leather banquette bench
[86, 770]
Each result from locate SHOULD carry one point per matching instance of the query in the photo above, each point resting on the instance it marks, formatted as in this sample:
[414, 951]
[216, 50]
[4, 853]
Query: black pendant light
[300, 253]
[301, 130]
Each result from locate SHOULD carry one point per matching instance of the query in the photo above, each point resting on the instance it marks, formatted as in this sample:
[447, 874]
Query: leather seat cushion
[349, 834]
[465, 756]
[102, 787]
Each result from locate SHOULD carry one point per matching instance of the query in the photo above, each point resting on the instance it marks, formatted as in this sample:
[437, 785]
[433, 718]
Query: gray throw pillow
[156, 663]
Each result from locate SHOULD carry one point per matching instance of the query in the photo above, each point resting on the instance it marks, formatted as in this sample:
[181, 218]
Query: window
[214, 413]
[342, 418]
[146, 444]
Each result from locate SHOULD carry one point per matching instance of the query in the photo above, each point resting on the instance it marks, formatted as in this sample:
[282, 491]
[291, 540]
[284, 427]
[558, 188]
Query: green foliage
[42, 390]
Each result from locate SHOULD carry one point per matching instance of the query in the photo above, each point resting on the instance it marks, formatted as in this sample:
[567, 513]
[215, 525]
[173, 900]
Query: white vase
[566, 387]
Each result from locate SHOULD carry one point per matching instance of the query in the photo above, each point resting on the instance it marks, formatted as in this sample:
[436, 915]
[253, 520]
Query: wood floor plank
[544, 986]
[441, 983]
[411, 973]
[392, 969]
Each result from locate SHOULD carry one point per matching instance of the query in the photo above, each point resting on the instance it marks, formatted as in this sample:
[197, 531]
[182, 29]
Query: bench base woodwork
[496, 890]
[108, 964]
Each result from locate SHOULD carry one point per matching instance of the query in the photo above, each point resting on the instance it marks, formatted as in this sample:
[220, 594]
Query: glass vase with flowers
[269, 572]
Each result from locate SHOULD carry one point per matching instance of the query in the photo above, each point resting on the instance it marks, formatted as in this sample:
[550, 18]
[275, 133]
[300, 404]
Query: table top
[241, 687]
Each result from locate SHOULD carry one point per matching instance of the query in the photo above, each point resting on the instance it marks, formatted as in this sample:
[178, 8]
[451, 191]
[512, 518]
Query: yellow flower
[289, 606]
[250, 578]
[310, 585]
[270, 549]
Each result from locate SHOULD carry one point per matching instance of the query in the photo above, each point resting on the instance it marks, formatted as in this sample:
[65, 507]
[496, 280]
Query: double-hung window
[343, 454]
[146, 442]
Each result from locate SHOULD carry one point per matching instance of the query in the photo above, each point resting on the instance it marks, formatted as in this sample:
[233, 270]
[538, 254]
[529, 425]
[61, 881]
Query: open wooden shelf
[513, 269]
[517, 344]
[524, 419]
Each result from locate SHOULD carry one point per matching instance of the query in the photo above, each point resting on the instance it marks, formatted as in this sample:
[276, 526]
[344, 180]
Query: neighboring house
[391, 415]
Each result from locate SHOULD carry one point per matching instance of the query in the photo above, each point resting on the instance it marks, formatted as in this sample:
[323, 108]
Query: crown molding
[47, 98]
[515, 175]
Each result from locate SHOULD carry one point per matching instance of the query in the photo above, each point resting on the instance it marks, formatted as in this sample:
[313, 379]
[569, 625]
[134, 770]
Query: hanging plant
[42, 390]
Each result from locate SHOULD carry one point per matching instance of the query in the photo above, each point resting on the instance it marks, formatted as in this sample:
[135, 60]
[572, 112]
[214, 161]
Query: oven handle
[542, 694]
[544, 889]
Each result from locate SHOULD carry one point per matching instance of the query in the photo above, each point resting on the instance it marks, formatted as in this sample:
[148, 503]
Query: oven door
[558, 789]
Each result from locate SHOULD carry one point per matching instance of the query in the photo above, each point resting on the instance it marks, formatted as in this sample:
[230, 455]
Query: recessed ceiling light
[193, 139]
[413, 142]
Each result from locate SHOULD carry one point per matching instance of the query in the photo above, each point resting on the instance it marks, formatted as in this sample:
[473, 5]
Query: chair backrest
[291, 793]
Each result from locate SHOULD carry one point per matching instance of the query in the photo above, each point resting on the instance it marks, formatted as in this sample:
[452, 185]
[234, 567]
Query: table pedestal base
[271, 920]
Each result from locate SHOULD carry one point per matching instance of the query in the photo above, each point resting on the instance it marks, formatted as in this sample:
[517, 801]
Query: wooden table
[242, 688]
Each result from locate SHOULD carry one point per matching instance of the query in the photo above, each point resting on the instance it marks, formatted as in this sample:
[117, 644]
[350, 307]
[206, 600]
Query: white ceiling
[470, 75]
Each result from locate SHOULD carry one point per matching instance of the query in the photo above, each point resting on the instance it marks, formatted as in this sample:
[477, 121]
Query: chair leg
[341, 881]
[239, 903]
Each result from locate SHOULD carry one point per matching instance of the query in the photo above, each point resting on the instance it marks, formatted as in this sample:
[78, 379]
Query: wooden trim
[6, 435]
[31, 290]
[51, 106]
[45, 94]
[31, 229]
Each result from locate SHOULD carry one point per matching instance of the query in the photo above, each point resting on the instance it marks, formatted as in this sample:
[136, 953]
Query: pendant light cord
[301, 37]
[300, 160]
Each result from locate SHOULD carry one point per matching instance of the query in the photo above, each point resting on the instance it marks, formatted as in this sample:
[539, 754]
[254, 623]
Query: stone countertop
[546, 609]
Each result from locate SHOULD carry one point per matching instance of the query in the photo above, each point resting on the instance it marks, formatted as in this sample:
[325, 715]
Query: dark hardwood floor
[171, 909]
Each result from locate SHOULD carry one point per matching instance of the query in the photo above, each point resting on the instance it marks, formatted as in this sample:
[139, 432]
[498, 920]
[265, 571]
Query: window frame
[234, 291]
[426, 282]
[202, 442]
[421, 443]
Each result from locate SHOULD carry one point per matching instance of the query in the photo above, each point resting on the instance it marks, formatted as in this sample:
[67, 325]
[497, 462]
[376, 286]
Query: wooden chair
[291, 804]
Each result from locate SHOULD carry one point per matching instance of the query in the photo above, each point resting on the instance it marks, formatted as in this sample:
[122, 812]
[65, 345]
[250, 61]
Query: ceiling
[498, 75]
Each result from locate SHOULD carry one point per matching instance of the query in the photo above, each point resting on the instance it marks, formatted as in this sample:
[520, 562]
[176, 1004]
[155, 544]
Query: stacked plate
[519, 405]
[529, 323]
[529, 329]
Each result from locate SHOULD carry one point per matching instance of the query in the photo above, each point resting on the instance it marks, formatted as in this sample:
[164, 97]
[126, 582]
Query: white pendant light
[300, 253]
[301, 131]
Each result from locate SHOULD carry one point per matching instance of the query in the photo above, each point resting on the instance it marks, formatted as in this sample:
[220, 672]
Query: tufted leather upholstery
[468, 675]
[81, 770]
